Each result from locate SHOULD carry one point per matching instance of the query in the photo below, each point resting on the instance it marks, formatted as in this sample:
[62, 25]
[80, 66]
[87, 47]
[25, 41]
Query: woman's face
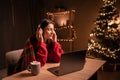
[49, 31]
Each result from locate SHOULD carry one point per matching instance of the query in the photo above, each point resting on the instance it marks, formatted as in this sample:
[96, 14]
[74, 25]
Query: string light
[67, 27]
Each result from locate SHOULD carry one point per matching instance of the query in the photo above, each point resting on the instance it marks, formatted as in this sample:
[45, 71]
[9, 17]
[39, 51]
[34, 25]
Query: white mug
[34, 67]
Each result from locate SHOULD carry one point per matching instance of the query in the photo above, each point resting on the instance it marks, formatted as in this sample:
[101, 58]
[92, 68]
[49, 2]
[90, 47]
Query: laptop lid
[70, 62]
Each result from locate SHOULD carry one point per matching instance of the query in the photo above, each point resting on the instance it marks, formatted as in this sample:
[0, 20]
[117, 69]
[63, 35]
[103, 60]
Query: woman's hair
[44, 23]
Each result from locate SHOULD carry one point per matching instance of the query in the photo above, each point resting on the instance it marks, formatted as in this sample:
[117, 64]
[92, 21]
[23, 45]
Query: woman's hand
[54, 38]
[39, 35]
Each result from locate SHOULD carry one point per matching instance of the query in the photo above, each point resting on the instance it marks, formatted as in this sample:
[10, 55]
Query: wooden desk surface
[91, 66]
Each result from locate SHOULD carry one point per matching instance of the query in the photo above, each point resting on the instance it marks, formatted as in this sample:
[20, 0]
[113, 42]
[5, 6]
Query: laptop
[70, 62]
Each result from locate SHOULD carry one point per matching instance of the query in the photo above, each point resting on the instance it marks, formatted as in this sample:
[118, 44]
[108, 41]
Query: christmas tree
[104, 39]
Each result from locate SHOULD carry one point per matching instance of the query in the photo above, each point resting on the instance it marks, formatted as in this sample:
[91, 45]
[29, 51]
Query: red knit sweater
[44, 54]
[40, 51]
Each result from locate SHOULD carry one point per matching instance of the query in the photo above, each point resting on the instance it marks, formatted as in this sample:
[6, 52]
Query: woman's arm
[55, 53]
[41, 53]
[40, 50]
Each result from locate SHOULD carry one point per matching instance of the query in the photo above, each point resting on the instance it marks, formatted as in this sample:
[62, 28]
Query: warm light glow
[118, 20]
[62, 22]
[62, 18]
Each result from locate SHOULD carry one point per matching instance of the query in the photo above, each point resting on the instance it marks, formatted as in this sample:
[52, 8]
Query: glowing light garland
[67, 27]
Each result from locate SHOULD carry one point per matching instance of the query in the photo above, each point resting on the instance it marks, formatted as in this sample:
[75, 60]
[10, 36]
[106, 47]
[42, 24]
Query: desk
[90, 68]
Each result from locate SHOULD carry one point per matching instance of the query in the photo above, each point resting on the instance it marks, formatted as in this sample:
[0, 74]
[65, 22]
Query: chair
[12, 58]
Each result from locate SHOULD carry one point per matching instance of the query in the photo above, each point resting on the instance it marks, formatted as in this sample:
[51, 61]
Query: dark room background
[18, 19]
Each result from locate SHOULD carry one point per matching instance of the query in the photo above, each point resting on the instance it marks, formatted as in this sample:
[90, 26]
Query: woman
[42, 47]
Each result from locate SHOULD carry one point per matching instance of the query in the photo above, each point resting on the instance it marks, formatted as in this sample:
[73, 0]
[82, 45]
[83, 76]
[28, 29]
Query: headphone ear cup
[39, 26]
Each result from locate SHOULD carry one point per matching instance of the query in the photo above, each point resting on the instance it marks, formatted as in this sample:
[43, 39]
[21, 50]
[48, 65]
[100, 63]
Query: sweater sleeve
[41, 53]
[55, 54]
